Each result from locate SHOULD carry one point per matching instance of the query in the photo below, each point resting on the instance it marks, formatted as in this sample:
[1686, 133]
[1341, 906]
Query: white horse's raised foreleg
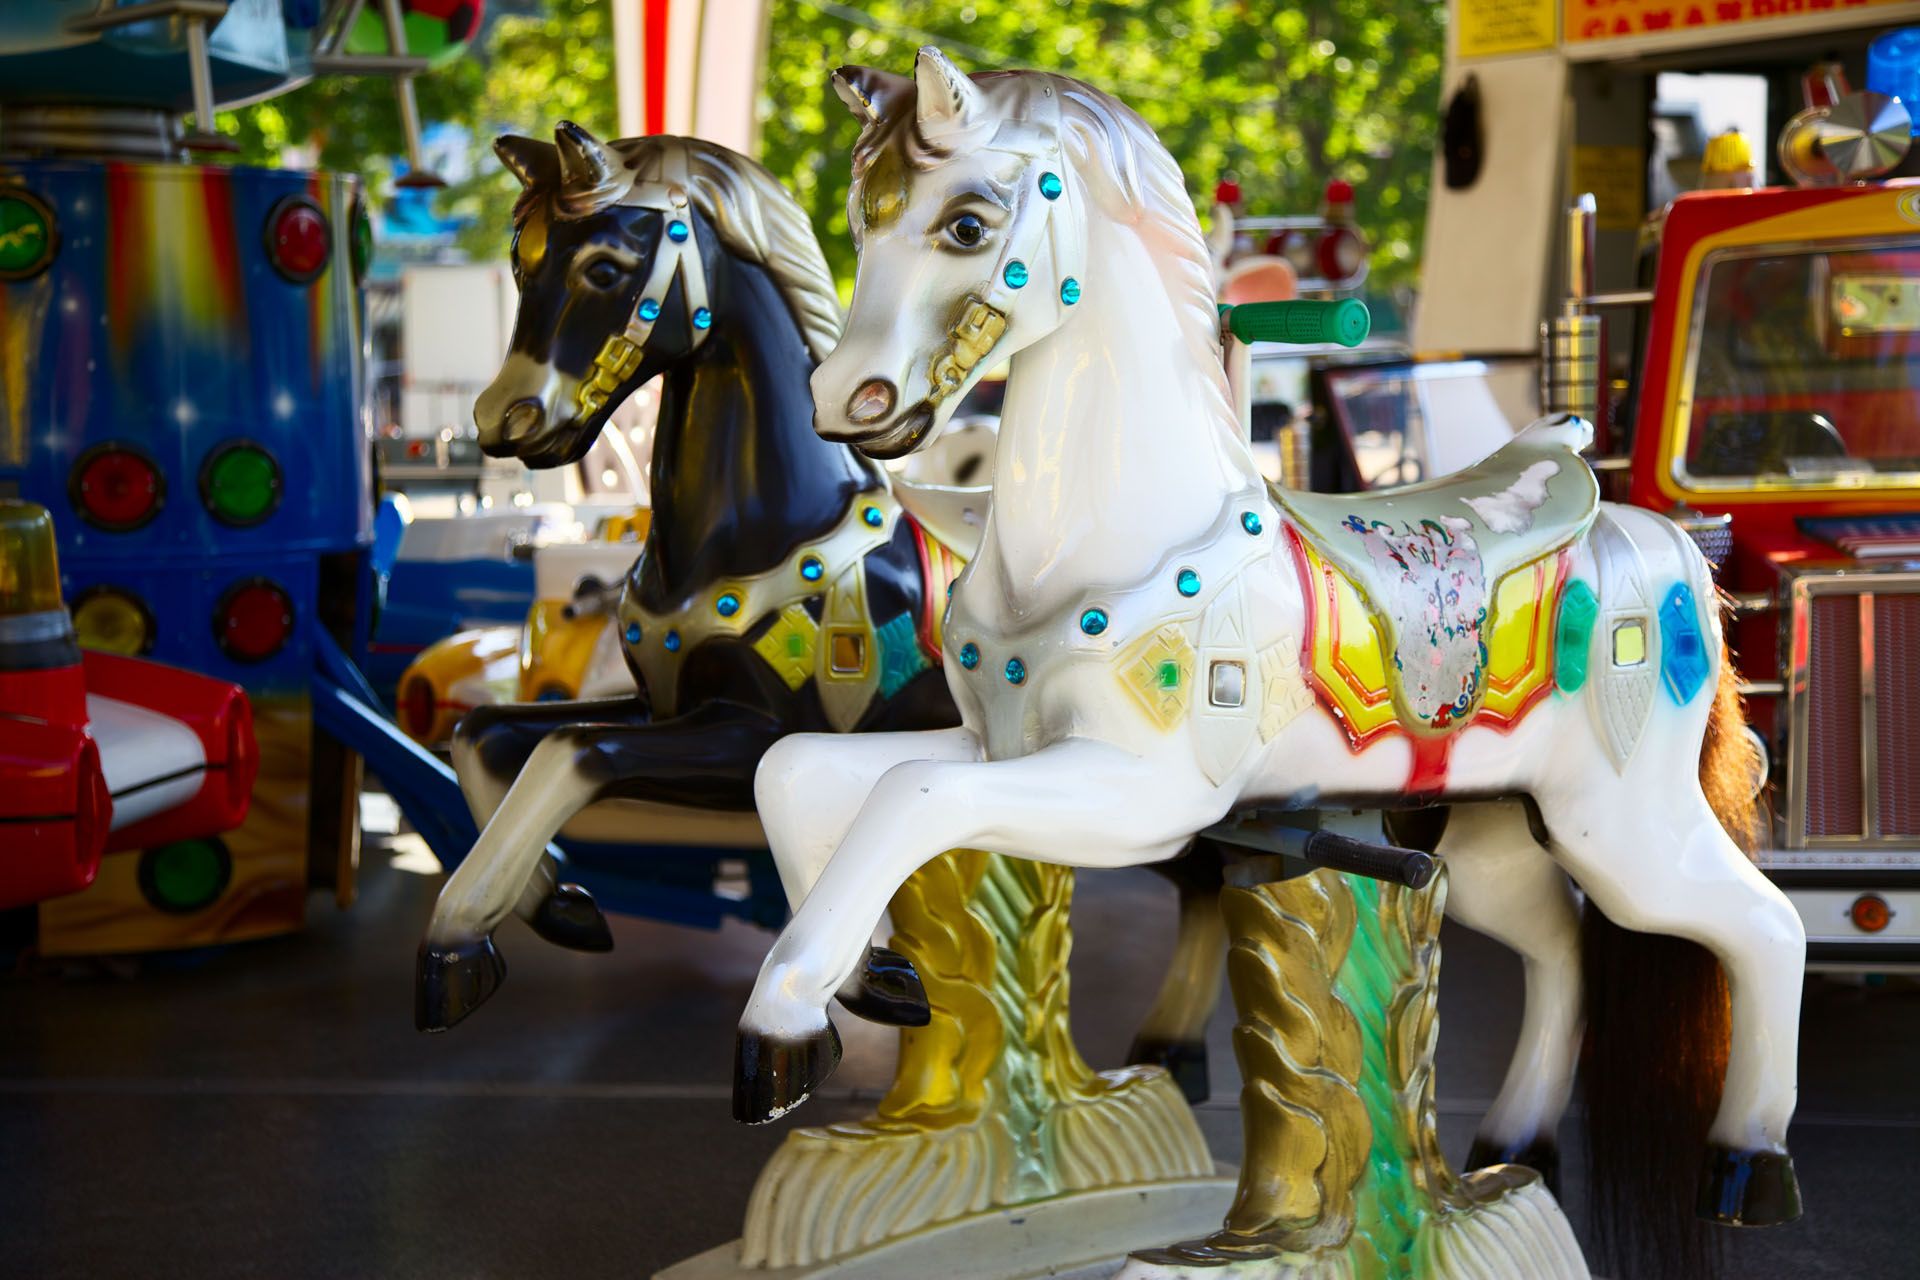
[1079, 802]
[1502, 883]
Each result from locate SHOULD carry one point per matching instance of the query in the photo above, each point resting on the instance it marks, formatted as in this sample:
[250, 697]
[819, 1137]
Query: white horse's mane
[756, 218]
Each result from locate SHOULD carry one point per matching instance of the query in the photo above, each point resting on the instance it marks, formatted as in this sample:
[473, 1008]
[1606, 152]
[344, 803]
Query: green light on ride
[187, 875]
[26, 235]
[360, 241]
[242, 484]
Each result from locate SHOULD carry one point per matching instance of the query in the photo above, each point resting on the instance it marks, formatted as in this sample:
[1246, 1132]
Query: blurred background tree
[1284, 97]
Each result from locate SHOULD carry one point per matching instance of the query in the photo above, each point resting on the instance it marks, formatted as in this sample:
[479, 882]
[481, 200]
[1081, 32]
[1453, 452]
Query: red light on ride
[419, 708]
[253, 621]
[116, 488]
[298, 239]
[1870, 913]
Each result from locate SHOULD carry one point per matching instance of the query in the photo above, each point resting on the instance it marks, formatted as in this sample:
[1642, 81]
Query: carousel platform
[269, 1110]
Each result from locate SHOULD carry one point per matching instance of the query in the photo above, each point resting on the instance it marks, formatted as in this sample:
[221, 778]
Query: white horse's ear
[946, 97]
[870, 93]
[535, 163]
[585, 165]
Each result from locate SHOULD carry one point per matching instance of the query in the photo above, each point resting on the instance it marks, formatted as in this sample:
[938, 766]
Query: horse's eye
[967, 230]
[602, 274]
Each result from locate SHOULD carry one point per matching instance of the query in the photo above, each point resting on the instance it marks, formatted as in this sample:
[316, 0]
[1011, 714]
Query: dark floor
[271, 1111]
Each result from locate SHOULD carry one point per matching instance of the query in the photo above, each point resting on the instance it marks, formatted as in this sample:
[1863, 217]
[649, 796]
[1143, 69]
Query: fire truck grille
[1834, 776]
[1896, 681]
[1862, 769]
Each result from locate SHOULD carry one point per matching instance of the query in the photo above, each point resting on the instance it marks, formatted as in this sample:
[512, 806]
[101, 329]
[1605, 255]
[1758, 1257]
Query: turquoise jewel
[969, 655]
[1015, 274]
[811, 569]
[702, 318]
[1250, 521]
[1188, 583]
[632, 633]
[1069, 291]
[672, 642]
[727, 605]
[873, 517]
[1093, 621]
[649, 310]
[676, 231]
[1051, 186]
[1016, 671]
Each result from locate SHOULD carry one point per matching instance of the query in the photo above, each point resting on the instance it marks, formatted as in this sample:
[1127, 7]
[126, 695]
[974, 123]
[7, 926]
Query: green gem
[796, 646]
[243, 483]
[188, 874]
[1573, 635]
[26, 241]
[1169, 675]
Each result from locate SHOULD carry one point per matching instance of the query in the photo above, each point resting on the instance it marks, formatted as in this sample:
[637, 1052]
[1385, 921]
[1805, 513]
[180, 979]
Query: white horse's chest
[1198, 651]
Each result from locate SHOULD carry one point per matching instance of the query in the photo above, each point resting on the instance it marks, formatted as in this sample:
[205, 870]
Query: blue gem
[969, 655]
[1683, 651]
[811, 568]
[1051, 186]
[900, 656]
[873, 517]
[1016, 671]
[1250, 521]
[1188, 583]
[950, 583]
[633, 633]
[1016, 274]
[672, 642]
[1069, 291]
[676, 231]
[702, 318]
[1093, 621]
[728, 605]
[649, 310]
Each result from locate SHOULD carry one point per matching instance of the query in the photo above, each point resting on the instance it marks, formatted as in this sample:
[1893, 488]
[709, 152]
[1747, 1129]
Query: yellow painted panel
[1519, 638]
[1349, 660]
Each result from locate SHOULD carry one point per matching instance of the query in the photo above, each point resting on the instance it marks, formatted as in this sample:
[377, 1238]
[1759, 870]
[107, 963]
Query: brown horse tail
[1656, 1048]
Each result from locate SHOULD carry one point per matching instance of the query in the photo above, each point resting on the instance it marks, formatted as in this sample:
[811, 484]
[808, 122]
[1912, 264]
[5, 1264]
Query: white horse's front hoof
[773, 1074]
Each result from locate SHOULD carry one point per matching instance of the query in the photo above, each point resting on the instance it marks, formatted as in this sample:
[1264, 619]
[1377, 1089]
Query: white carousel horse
[1128, 647]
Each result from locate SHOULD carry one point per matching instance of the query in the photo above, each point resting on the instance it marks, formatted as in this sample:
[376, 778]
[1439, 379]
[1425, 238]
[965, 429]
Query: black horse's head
[617, 267]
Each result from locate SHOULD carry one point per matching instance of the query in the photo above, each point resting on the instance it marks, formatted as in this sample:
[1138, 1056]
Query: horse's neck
[739, 478]
[1117, 441]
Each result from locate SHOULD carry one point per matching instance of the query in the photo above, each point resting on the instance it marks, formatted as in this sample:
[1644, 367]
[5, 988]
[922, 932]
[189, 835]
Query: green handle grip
[1302, 322]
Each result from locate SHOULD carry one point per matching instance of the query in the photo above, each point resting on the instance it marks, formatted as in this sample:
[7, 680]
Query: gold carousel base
[1083, 1235]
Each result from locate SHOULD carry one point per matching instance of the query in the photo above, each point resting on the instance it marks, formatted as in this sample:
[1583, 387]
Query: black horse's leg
[704, 759]
[1174, 1034]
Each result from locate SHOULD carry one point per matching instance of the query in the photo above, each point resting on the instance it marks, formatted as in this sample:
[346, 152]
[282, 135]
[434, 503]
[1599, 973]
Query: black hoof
[773, 1074]
[888, 991]
[1748, 1188]
[568, 918]
[1184, 1060]
[1540, 1155]
[451, 982]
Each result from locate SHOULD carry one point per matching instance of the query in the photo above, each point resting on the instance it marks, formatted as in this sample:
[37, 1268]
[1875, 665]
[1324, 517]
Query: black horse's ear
[870, 93]
[535, 163]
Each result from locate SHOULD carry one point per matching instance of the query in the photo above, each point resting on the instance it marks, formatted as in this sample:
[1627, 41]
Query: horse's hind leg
[1174, 1033]
[704, 759]
[1653, 857]
[1502, 883]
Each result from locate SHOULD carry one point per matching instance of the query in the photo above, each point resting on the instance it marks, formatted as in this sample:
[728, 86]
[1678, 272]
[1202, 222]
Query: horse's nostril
[522, 417]
[871, 401]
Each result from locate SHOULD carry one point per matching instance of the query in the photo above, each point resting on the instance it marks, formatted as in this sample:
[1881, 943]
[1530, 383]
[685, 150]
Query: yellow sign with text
[1591, 20]
[1617, 177]
[1488, 27]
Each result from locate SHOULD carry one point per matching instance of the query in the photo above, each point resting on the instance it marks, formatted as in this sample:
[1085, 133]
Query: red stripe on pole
[654, 26]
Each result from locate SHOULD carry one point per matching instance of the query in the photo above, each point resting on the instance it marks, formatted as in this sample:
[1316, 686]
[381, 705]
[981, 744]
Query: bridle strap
[666, 189]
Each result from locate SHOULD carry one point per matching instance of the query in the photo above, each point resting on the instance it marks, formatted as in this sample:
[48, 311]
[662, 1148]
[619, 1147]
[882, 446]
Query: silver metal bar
[1762, 688]
[1869, 724]
[1621, 298]
[1582, 216]
[417, 174]
[1610, 464]
[108, 19]
[201, 72]
[1751, 601]
[337, 24]
[369, 64]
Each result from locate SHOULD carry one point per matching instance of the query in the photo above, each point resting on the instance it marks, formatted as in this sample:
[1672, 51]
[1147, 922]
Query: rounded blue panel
[1188, 583]
[1051, 186]
[1893, 66]
[969, 655]
[1016, 671]
[1093, 621]
[873, 517]
[811, 569]
[632, 633]
[672, 642]
[702, 318]
[649, 310]
[1250, 521]
[1015, 274]
[727, 605]
[1069, 291]
[676, 231]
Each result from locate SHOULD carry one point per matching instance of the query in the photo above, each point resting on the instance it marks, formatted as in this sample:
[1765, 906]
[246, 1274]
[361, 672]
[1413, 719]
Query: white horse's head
[969, 208]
